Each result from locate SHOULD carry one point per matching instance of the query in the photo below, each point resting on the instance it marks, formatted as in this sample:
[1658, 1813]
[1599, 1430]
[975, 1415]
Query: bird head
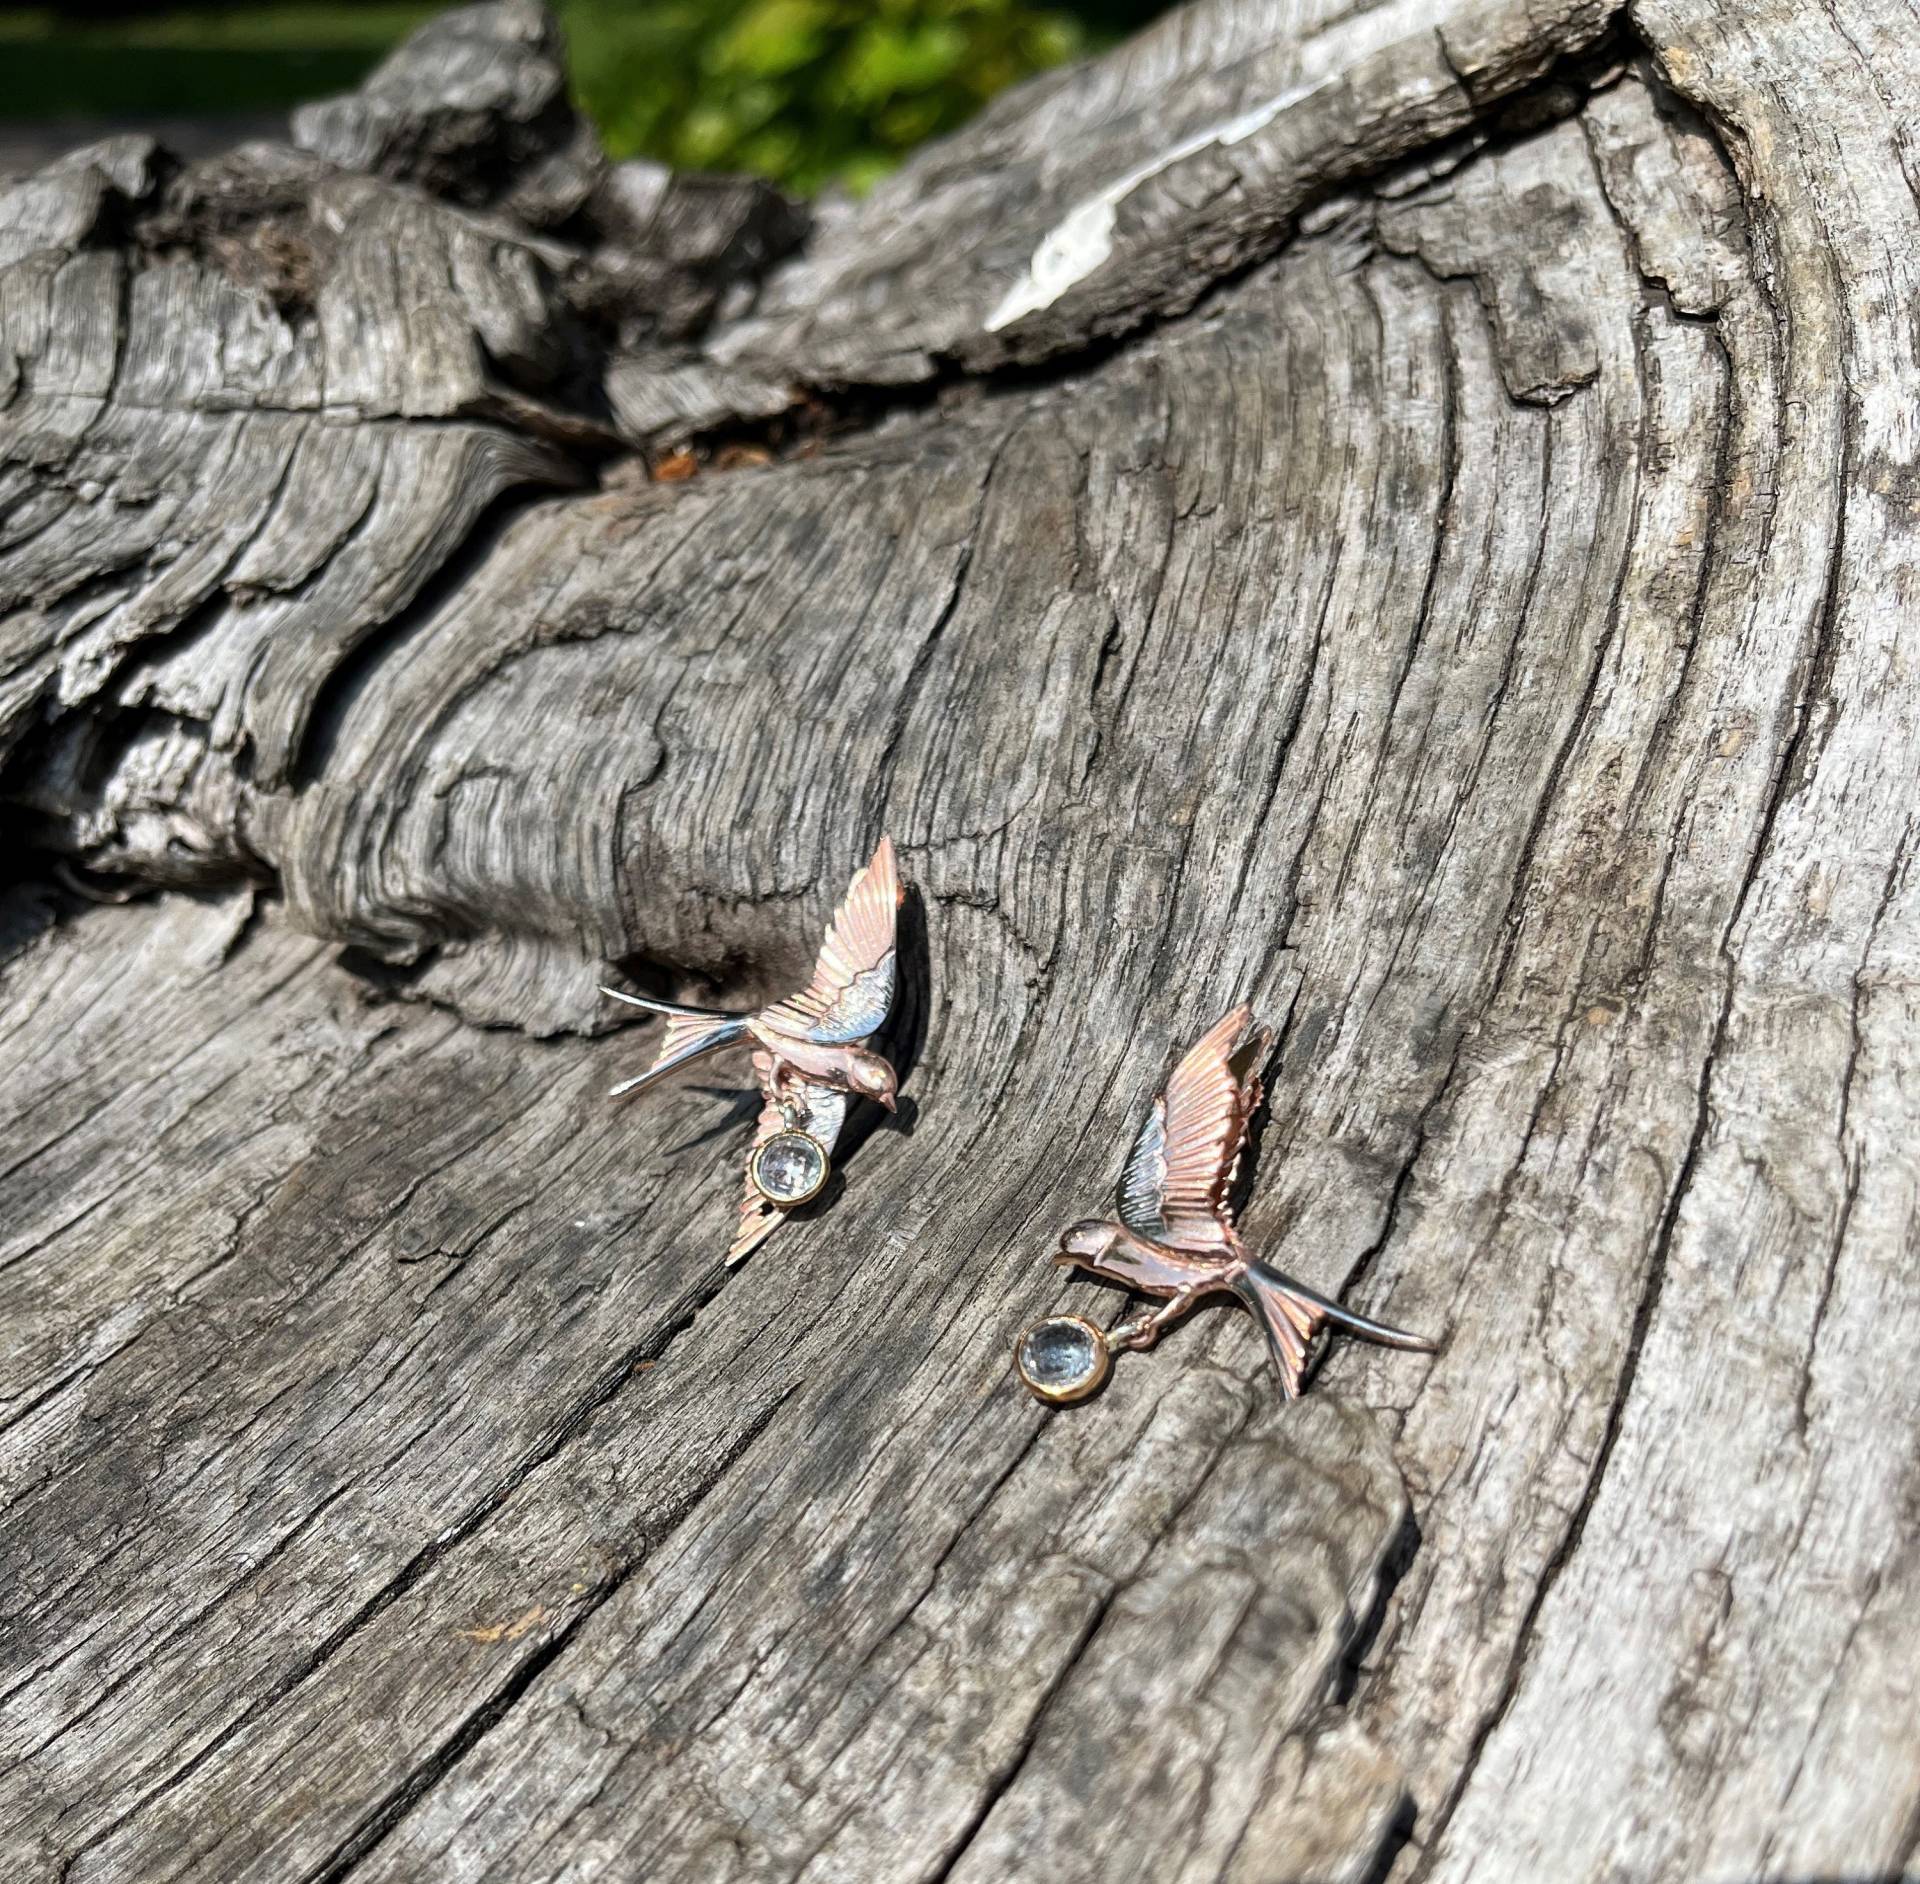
[873, 1078]
[1087, 1241]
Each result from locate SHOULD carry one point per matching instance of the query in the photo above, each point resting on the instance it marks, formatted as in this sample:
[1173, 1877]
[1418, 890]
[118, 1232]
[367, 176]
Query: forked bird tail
[692, 1033]
[1291, 1314]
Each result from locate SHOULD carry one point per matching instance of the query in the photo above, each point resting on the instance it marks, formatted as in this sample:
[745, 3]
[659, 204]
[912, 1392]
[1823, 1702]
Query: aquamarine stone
[790, 1167]
[1062, 1359]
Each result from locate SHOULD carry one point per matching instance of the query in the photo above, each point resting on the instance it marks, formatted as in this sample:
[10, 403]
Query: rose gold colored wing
[819, 1111]
[1248, 1058]
[1177, 1187]
[852, 985]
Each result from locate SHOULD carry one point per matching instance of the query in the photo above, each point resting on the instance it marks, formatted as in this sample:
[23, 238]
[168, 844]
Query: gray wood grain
[1442, 571]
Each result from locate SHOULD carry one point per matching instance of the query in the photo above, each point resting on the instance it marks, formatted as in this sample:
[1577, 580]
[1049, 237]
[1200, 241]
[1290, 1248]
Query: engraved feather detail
[852, 986]
[1178, 1184]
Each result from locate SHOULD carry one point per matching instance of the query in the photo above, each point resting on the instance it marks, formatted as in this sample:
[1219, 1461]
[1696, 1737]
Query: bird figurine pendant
[1176, 1238]
[810, 1054]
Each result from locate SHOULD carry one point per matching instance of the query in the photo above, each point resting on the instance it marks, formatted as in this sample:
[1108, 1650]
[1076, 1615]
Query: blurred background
[807, 93]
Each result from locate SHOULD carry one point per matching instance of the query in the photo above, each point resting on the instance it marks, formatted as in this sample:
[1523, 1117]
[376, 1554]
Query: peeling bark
[1406, 513]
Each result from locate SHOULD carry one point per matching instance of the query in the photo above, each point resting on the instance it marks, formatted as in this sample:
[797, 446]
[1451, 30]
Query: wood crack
[380, 1825]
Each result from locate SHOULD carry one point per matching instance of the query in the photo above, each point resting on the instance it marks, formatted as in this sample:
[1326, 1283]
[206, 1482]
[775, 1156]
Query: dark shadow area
[29, 908]
[382, 978]
[1393, 1566]
[1398, 1833]
[41, 891]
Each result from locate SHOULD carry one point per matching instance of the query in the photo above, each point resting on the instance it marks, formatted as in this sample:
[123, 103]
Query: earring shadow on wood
[743, 1104]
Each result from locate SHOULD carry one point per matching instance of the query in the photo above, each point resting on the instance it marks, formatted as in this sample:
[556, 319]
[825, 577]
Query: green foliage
[807, 92]
[192, 62]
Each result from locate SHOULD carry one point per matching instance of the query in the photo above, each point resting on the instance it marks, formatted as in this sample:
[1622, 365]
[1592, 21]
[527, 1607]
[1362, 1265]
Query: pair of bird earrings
[1175, 1238]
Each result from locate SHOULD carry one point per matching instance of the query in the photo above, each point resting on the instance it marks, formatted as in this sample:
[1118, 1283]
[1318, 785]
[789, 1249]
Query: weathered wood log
[1406, 512]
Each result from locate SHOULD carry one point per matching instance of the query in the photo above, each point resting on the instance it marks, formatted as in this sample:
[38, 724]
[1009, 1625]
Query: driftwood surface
[1407, 512]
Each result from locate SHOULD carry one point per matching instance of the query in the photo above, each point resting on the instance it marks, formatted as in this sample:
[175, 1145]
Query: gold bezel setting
[785, 1143]
[1054, 1377]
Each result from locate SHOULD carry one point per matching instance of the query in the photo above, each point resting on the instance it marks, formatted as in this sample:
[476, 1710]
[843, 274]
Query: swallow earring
[1176, 1238]
[810, 1053]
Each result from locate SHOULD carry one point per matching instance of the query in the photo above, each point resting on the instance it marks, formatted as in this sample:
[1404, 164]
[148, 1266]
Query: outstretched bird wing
[1177, 1188]
[852, 985]
[817, 1110]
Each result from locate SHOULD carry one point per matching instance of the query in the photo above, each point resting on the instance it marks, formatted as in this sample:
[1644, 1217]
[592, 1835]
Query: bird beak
[887, 1100]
